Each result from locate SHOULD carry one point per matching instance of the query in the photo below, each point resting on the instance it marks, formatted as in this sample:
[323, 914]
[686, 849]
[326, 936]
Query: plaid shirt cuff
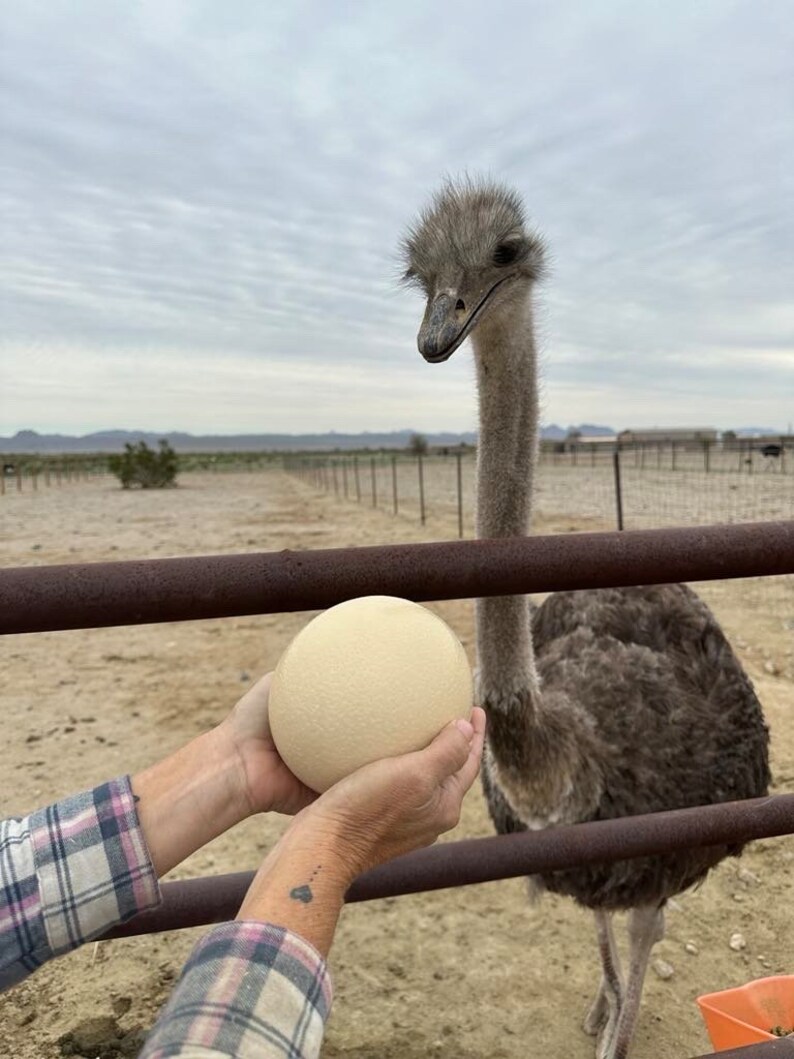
[249, 990]
[92, 864]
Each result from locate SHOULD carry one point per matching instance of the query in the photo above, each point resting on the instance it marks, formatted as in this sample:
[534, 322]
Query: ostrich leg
[602, 1017]
[646, 927]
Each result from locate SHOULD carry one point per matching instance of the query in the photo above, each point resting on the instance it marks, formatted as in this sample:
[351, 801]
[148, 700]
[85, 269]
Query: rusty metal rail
[196, 902]
[782, 1049]
[91, 595]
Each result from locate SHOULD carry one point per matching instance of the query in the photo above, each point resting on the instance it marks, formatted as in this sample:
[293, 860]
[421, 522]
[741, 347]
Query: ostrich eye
[505, 254]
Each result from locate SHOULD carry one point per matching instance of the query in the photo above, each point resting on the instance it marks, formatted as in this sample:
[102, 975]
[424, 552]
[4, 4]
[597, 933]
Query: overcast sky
[202, 202]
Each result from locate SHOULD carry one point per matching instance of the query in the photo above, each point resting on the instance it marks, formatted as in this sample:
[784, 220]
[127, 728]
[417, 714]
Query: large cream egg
[370, 678]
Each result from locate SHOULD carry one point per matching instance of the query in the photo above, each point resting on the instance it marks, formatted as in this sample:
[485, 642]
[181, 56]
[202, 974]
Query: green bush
[141, 466]
[417, 445]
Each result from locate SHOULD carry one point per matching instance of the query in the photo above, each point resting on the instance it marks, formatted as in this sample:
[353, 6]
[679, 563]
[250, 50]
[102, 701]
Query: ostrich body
[601, 703]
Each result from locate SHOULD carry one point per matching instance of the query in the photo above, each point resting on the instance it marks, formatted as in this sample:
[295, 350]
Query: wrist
[225, 751]
[301, 886]
[189, 798]
[326, 841]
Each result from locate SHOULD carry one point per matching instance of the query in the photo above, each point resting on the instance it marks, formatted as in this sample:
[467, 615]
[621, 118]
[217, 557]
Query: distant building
[668, 435]
[577, 440]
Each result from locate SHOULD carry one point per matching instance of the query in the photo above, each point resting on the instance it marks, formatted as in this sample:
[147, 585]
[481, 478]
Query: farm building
[668, 435]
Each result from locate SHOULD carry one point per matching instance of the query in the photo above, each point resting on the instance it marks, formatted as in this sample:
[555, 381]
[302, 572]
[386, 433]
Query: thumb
[449, 751]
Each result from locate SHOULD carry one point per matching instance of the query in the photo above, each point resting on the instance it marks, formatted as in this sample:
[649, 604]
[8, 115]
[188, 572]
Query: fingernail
[464, 728]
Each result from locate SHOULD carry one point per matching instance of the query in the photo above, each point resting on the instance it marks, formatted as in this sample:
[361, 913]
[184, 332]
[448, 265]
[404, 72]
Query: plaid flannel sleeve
[68, 873]
[249, 990]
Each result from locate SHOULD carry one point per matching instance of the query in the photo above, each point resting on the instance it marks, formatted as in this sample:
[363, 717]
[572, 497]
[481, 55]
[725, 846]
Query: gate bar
[92, 595]
[195, 902]
[780, 1049]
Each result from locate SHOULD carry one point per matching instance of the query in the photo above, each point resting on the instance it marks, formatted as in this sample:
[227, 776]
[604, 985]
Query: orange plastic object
[745, 1015]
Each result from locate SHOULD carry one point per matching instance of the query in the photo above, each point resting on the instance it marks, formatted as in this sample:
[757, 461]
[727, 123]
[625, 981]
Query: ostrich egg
[370, 678]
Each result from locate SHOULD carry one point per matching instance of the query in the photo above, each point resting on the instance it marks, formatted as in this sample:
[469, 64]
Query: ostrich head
[472, 255]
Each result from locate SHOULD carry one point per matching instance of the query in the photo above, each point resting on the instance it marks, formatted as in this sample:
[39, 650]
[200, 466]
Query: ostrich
[600, 703]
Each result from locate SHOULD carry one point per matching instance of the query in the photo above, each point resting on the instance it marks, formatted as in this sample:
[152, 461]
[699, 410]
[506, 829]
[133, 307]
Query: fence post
[618, 490]
[460, 492]
[374, 485]
[421, 488]
[707, 455]
[358, 481]
[35, 477]
[336, 480]
[394, 482]
[642, 456]
[672, 455]
[344, 476]
[592, 455]
[658, 455]
[19, 476]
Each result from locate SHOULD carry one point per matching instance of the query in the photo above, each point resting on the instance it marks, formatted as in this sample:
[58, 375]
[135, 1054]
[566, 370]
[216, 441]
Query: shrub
[141, 466]
[417, 445]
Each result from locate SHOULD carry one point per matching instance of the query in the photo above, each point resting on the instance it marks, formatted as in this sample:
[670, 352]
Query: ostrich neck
[506, 373]
[538, 761]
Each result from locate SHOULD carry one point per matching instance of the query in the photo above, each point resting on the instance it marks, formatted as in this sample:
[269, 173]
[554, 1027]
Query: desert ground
[470, 973]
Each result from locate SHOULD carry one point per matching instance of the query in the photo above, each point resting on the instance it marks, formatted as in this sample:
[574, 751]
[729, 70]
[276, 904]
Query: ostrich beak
[447, 322]
[442, 330]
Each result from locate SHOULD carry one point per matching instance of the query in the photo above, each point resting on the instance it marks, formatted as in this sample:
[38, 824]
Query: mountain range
[31, 441]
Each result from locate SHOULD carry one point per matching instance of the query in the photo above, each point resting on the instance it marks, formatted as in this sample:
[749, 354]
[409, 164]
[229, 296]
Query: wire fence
[727, 456]
[612, 489]
[26, 472]
[437, 487]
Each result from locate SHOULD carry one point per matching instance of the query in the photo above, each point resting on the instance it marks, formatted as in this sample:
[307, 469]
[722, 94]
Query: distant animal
[600, 703]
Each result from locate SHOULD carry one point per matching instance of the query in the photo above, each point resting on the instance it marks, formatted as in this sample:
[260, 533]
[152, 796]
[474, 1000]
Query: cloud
[204, 204]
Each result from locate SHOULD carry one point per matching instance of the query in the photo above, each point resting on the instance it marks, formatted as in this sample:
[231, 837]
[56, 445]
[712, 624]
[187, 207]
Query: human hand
[266, 784]
[398, 804]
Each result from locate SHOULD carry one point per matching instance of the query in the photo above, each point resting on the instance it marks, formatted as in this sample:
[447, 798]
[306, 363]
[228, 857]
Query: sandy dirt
[464, 973]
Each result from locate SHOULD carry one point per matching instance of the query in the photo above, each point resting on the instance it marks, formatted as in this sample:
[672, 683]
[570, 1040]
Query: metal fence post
[421, 488]
[394, 482]
[618, 490]
[374, 484]
[336, 479]
[460, 492]
[358, 481]
[344, 476]
[19, 476]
